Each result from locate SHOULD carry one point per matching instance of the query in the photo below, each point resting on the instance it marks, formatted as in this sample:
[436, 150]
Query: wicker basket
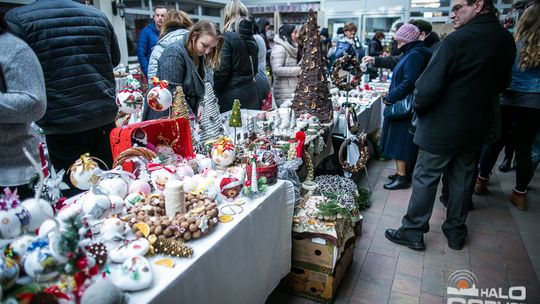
[270, 170]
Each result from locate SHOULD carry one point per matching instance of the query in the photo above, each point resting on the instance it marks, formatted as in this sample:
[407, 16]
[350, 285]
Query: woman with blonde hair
[189, 63]
[175, 25]
[284, 64]
[236, 77]
[520, 109]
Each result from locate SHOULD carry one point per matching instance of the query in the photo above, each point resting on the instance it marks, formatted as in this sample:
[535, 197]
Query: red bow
[153, 167]
[163, 84]
[300, 139]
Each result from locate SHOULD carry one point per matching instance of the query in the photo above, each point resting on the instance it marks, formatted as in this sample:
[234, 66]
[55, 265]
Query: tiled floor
[503, 249]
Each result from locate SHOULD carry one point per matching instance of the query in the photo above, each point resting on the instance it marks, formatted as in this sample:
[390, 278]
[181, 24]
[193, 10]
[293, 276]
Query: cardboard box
[317, 282]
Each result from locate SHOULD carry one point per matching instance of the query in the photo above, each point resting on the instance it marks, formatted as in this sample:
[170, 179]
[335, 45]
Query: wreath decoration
[355, 127]
[362, 160]
[346, 63]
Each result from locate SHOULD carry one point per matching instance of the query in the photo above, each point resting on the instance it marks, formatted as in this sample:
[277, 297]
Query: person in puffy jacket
[189, 63]
[149, 37]
[175, 25]
[236, 77]
[22, 100]
[79, 80]
[349, 44]
[284, 65]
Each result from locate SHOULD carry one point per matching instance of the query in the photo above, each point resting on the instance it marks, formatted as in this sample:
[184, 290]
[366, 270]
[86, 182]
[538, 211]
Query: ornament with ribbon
[159, 98]
[85, 172]
[223, 151]
[160, 174]
[130, 99]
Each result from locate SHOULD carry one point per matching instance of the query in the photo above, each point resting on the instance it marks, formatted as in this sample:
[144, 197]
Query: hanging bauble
[39, 262]
[85, 172]
[129, 101]
[159, 98]
[95, 203]
[9, 272]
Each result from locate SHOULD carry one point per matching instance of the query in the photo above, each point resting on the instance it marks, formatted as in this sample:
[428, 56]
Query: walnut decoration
[200, 218]
[362, 160]
[349, 64]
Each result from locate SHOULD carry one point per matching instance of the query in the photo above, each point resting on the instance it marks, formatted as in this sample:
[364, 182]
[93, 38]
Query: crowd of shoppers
[475, 90]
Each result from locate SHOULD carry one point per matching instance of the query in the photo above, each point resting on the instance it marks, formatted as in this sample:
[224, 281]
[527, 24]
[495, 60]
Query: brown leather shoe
[517, 198]
[481, 185]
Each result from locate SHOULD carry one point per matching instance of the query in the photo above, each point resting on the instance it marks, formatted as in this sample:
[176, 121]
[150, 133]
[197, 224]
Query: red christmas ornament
[82, 263]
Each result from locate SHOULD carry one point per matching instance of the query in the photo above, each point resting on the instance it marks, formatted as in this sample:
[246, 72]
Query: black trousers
[459, 169]
[524, 124]
[65, 149]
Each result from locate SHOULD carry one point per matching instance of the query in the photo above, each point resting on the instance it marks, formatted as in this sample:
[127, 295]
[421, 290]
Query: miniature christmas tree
[210, 124]
[235, 120]
[312, 94]
[179, 107]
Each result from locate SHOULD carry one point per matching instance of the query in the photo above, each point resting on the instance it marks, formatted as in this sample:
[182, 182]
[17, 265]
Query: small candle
[174, 198]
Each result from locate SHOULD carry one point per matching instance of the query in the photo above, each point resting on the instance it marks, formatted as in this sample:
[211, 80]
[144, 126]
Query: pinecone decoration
[173, 248]
[99, 252]
[312, 94]
[179, 106]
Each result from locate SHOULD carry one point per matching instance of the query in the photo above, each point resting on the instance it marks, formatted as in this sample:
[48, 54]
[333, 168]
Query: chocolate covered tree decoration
[210, 124]
[235, 120]
[179, 106]
[312, 94]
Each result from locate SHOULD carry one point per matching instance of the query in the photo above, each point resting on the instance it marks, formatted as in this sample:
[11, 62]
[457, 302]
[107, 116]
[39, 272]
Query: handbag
[400, 109]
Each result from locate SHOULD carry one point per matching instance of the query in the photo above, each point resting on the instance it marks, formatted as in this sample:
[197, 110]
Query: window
[134, 26]
[211, 11]
[189, 8]
[142, 4]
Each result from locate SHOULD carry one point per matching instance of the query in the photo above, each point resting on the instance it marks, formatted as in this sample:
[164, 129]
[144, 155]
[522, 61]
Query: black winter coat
[455, 97]
[77, 49]
[235, 78]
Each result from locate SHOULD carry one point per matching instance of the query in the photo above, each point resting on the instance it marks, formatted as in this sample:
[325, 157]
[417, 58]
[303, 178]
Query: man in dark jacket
[149, 37]
[455, 100]
[77, 49]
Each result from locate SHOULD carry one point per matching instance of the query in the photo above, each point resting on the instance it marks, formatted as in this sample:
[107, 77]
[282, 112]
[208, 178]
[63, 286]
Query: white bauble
[39, 212]
[114, 186]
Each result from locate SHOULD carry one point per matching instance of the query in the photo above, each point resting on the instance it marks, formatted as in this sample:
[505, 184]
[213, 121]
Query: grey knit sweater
[22, 100]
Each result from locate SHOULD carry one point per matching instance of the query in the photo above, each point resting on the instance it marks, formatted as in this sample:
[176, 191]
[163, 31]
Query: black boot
[392, 176]
[399, 182]
[506, 165]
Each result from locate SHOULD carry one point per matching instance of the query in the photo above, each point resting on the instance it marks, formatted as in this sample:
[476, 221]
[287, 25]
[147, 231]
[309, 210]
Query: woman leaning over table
[22, 100]
[188, 63]
[396, 141]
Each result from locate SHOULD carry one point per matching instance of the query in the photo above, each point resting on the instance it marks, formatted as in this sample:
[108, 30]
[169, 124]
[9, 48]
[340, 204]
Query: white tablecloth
[369, 116]
[240, 262]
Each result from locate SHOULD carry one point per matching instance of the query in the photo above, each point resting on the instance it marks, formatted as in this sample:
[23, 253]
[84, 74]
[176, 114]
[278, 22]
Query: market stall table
[240, 262]
[369, 117]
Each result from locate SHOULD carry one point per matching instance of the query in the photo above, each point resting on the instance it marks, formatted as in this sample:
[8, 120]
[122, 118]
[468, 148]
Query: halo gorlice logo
[463, 289]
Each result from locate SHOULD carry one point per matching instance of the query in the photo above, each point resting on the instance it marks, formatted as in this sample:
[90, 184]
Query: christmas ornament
[9, 272]
[230, 187]
[179, 106]
[113, 228]
[98, 251]
[102, 291]
[159, 98]
[39, 262]
[141, 186]
[223, 152]
[85, 172]
[210, 123]
[129, 249]
[12, 215]
[117, 204]
[18, 247]
[114, 185]
[135, 274]
[129, 100]
[160, 175]
[39, 211]
[95, 203]
[312, 94]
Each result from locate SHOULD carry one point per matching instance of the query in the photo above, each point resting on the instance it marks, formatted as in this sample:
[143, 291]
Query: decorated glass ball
[39, 211]
[84, 172]
[159, 99]
[95, 203]
[223, 152]
[12, 222]
[9, 272]
[129, 101]
[39, 262]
